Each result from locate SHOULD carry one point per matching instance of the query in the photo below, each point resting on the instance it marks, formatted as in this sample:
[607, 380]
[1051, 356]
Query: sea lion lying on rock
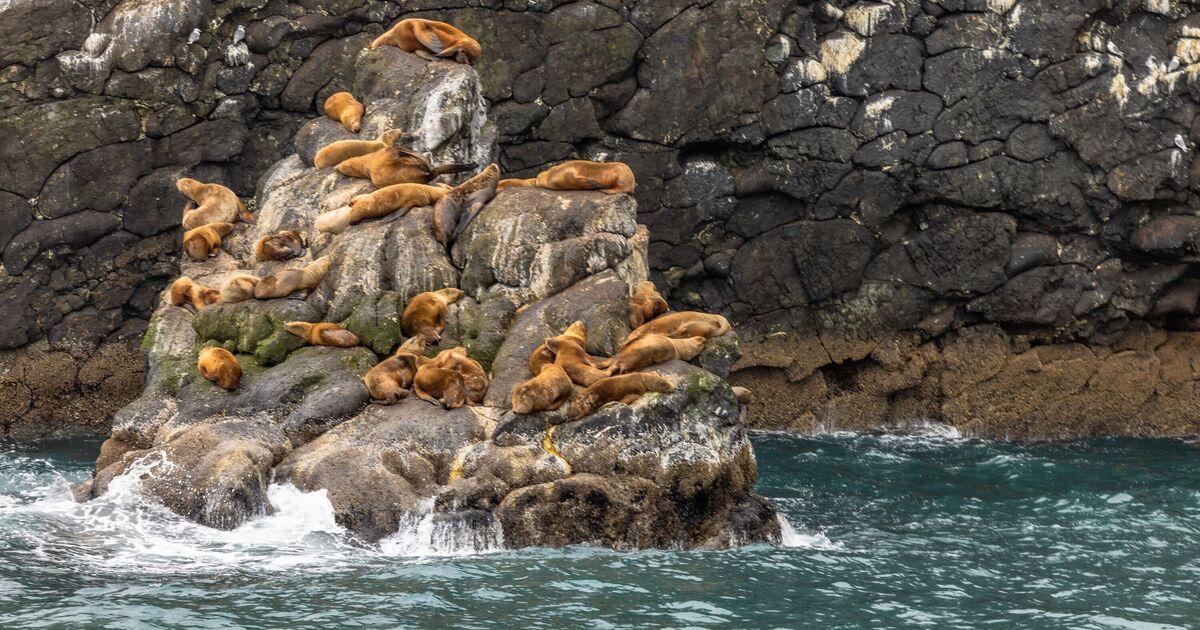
[204, 242]
[214, 204]
[238, 288]
[545, 392]
[474, 378]
[574, 360]
[645, 304]
[654, 349]
[186, 291]
[608, 177]
[681, 325]
[624, 389]
[397, 199]
[323, 334]
[425, 313]
[397, 165]
[542, 355]
[343, 150]
[455, 210]
[279, 246]
[440, 386]
[390, 380]
[430, 39]
[285, 282]
[344, 108]
[221, 367]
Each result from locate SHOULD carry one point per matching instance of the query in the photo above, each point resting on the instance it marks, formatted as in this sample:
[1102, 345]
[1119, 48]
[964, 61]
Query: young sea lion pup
[624, 389]
[425, 313]
[398, 199]
[397, 165]
[390, 380]
[440, 386]
[343, 150]
[221, 367]
[279, 246]
[204, 242]
[646, 304]
[344, 108]
[682, 324]
[214, 204]
[573, 359]
[430, 40]
[455, 210]
[654, 349]
[608, 177]
[545, 392]
[474, 378]
[323, 334]
[238, 288]
[285, 282]
[186, 291]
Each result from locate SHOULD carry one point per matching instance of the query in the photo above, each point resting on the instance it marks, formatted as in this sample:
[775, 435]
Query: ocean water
[882, 532]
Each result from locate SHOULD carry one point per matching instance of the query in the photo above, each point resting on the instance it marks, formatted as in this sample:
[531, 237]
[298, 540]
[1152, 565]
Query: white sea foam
[793, 538]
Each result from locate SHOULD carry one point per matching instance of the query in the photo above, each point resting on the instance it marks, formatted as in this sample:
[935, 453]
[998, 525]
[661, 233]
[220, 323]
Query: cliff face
[970, 212]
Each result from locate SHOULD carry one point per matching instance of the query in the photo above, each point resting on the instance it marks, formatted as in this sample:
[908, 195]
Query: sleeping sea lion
[440, 386]
[474, 378]
[608, 177]
[682, 324]
[204, 242]
[455, 210]
[323, 334]
[398, 199]
[285, 282]
[186, 291]
[573, 359]
[654, 349]
[575, 332]
[397, 165]
[646, 304]
[546, 391]
[390, 379]
[344, 108]
[279, 246]
[624, 389]
[214, 204]
[239, 288]
[425, 313]
[221, 367]
[343, 150]
[430, 40]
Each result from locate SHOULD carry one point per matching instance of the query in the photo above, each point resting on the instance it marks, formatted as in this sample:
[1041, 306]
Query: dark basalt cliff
[978, 212]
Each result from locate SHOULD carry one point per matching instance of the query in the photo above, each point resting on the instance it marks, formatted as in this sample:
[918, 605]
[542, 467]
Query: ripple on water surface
[879, 532]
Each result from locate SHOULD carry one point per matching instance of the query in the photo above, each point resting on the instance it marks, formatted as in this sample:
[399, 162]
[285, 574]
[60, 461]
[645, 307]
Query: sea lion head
[300, 329]
[451, 294]
[469, 51]
[186, 185]
[390, 136]
[576, 329]
[209, 295]
[414, 345]
[196, 247]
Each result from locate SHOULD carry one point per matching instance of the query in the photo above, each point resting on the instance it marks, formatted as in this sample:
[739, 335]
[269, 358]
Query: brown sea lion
[344, 108]
[214, 204]
[544, 392]
[682, 324]
[221, 367]
[323, 334]
[607, 177]
[743, 395]
[398, 199]
[575, 332]
[654, 349]
[624, 389]
[238, 288]
[186, 291]
[397, 165]
[279, 246]
[440, 386]
[455, 210]
[425, 313]
[474, 378]
[204, 242]
[390, 380]
[343, 150]
[646, 304]
[573, 359]
[430, 40]
[285, 282]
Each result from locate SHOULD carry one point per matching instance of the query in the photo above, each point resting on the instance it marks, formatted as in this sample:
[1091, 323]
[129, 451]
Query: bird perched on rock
[239, 34]
[1173, 65]
[1112, 49]
[1179, 142]
[194, 37]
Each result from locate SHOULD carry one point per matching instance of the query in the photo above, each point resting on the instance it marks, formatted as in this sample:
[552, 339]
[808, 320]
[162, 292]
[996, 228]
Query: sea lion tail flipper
[423, 395]
[469, 215]
[450, 169]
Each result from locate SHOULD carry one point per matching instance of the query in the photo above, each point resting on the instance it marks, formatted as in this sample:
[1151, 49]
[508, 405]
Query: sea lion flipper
[450, 169]
[428, 39]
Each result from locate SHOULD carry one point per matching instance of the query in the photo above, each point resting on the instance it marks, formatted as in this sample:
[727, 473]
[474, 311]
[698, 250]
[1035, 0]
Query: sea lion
[398, 199]
[285, 282]
[455, 210]
[238, 288]
[743, 395]
[544, 392]
[682, 324]
[430, 39]
[646, 304]
[343, 150]
[279, 246]
[608, 177]
[625, 389]
[397, 165]
[221, 367]
[425, 313]
[474, 378]
[344, 108]
[390, 379]
[542, 355]
[440, 386]
[323, 334]
[573, 359]
[654, 349]
[186, 291]
[204, 242]
[214, 204]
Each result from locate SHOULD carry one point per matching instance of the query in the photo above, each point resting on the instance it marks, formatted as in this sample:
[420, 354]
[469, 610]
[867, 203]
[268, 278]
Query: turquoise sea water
[888, 532]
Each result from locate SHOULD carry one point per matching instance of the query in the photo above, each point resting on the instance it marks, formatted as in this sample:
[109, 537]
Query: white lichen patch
[1119, 89]
[840, 50]
[1000, 7]
[1188, 48]
[805, 72]
[866, 18]
[1161, 7]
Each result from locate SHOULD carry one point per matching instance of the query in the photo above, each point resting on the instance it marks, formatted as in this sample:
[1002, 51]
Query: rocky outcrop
[669, 470]
[1020, 165]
